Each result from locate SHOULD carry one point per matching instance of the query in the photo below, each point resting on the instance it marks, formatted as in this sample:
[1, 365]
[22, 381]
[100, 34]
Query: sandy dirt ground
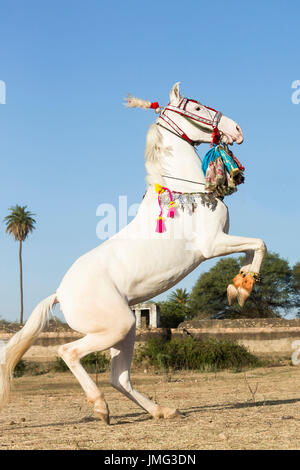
[259, 409]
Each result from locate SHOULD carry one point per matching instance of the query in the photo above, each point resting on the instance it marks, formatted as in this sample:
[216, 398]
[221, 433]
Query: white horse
[138, 263]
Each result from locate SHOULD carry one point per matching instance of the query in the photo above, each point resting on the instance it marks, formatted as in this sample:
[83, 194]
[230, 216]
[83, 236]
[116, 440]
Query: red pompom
[154, 105]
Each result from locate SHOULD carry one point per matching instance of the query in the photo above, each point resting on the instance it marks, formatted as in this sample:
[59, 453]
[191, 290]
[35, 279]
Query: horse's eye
[198, 108]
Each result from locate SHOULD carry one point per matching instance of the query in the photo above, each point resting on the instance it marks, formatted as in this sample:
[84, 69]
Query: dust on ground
[257, 409]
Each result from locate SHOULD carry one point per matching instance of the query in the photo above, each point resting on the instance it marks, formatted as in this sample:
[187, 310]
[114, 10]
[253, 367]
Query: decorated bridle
[181, 110]
[213, 122]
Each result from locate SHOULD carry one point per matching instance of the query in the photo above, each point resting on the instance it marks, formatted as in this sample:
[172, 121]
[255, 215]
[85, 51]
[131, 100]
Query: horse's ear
[175, 95]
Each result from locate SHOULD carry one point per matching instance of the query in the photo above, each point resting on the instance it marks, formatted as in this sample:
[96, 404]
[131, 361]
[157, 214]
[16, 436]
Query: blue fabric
[210, 156]
[215, 152]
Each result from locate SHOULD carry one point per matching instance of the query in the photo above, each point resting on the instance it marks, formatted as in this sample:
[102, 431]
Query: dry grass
[259, 410]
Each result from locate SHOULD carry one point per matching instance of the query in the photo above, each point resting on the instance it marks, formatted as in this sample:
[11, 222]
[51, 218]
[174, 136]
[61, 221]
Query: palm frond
[179, 296]
[19, 222]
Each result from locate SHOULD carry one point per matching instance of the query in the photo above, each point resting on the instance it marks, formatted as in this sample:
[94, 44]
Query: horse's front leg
[255, 249]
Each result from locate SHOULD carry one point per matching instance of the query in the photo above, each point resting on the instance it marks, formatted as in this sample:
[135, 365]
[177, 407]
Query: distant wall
[260, 336]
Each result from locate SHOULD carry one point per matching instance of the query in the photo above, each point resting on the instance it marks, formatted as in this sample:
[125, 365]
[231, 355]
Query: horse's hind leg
[120, 378]
[71, 353]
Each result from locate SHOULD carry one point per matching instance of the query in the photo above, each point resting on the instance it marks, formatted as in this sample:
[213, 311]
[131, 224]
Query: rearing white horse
[138, 263]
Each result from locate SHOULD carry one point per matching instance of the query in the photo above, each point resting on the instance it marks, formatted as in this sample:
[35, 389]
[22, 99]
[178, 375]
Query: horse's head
[195, 122]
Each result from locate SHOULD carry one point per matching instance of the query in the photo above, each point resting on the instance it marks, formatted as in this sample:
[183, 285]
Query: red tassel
[160, 226]
[215, 137]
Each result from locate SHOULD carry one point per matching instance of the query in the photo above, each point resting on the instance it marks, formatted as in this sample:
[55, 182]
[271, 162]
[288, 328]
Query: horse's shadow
[141, 417]
[117, 420]
[236, 406]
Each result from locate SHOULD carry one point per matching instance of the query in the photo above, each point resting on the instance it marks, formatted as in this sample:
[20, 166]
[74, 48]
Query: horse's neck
[179, 161]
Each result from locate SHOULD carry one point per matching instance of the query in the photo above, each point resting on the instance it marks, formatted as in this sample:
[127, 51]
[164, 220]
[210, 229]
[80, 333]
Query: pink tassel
[160, 226]
[172, 209]
[171, 212]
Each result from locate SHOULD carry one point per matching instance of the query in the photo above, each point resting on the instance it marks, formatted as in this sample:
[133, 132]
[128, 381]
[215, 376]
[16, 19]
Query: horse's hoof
[167, 413]
[102, 412]
[231, 294]
[170, 414]
[242, 296]
[103, 416]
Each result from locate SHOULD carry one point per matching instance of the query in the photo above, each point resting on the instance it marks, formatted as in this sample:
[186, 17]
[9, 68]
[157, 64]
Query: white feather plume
[133, 102]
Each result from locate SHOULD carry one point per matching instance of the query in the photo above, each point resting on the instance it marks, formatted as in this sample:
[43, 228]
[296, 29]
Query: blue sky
[68, 145]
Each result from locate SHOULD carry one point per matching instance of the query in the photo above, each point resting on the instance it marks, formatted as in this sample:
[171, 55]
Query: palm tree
[179, 296]
[19, 223]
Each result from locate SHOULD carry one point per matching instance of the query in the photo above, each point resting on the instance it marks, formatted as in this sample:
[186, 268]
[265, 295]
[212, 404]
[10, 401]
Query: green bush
[193, 354]
[60, 365]
[29, 368]
[20, 368]
[93, 363]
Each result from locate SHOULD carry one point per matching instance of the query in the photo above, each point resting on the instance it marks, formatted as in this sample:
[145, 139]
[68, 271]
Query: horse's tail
[20, 343]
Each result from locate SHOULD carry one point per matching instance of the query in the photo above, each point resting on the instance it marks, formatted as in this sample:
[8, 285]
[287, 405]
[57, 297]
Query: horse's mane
[153, 153]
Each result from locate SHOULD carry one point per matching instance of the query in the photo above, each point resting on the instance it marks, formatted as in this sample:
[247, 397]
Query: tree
[296, 276]
[19, 223]
[179, 296]
[296, 287]
[271, 298]
[174, 310]
[209, 295]
[172, 313]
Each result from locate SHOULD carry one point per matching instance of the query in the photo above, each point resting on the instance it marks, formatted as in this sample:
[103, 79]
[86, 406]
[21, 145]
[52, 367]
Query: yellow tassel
[158, 188]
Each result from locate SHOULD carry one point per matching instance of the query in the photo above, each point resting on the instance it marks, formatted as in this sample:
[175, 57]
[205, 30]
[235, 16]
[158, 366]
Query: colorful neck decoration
[160, 225]
[223, 173]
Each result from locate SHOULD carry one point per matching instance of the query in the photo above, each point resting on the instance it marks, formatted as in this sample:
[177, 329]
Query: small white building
[147, 315]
